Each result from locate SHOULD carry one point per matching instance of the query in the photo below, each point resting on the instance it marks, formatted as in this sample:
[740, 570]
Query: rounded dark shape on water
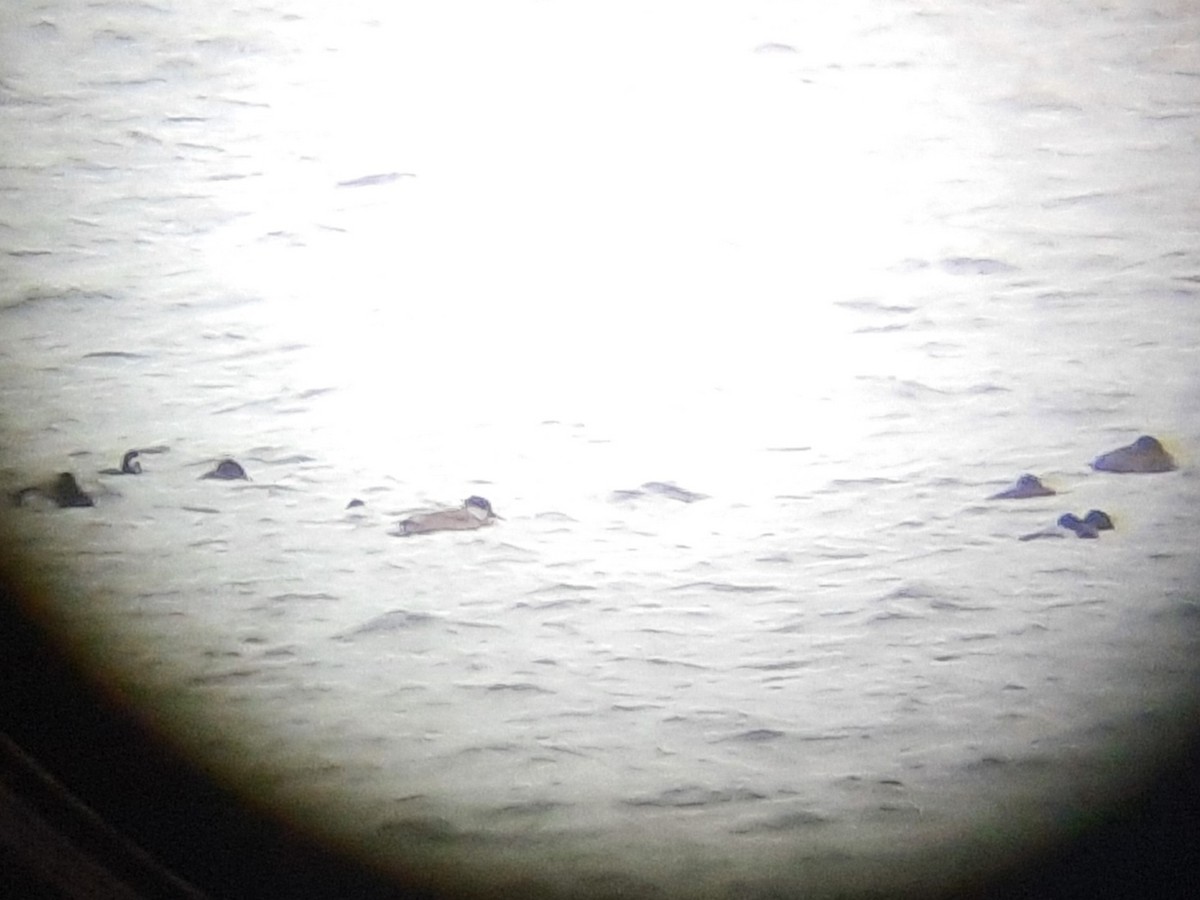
[1098, 519]
[355, 503]
[1026, 486]
[227, 470]
[1082, 529]
[64, 491]
[1145, 454]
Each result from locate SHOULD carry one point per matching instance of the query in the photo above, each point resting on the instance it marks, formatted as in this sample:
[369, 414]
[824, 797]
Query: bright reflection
[593, 206]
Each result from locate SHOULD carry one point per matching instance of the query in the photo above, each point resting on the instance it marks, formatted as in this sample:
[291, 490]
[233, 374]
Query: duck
[1145, 454]
[474, 513]
[1098, 519]
[228, 470]
[64, 491]
[1090, 526]
[1082, 529]
[129, 465]
[1026, 486]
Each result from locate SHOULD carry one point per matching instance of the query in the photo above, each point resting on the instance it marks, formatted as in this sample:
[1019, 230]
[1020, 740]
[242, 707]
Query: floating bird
[1025, 487]
[227, 470]
[129, 465]
[1082, 529]
[474, 513]
[1145, 454]
[63, 491]
[1089, 526]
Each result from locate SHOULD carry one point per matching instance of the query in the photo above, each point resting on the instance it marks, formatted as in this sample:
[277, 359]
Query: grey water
[736, 313]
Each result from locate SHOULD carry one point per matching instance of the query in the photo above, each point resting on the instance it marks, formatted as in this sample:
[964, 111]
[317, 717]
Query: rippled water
[844, 273]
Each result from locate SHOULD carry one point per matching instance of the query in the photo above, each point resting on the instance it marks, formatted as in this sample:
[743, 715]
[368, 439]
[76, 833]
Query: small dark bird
[129, 465]
[64, 491]
[228, 470]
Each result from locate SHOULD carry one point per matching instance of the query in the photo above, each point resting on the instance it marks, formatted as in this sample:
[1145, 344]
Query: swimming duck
[227, 470]
[1089, 526]
[1145, 454]
[474, 513]
[1082, 529]
[64, 491]
[129, 465]
[1026, 486]
[1098, 519]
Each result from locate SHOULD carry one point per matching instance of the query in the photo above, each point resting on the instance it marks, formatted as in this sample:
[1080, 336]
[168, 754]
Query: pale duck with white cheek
[474, 513]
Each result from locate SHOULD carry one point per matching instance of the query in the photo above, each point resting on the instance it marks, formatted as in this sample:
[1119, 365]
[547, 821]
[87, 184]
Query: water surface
[845, 273]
